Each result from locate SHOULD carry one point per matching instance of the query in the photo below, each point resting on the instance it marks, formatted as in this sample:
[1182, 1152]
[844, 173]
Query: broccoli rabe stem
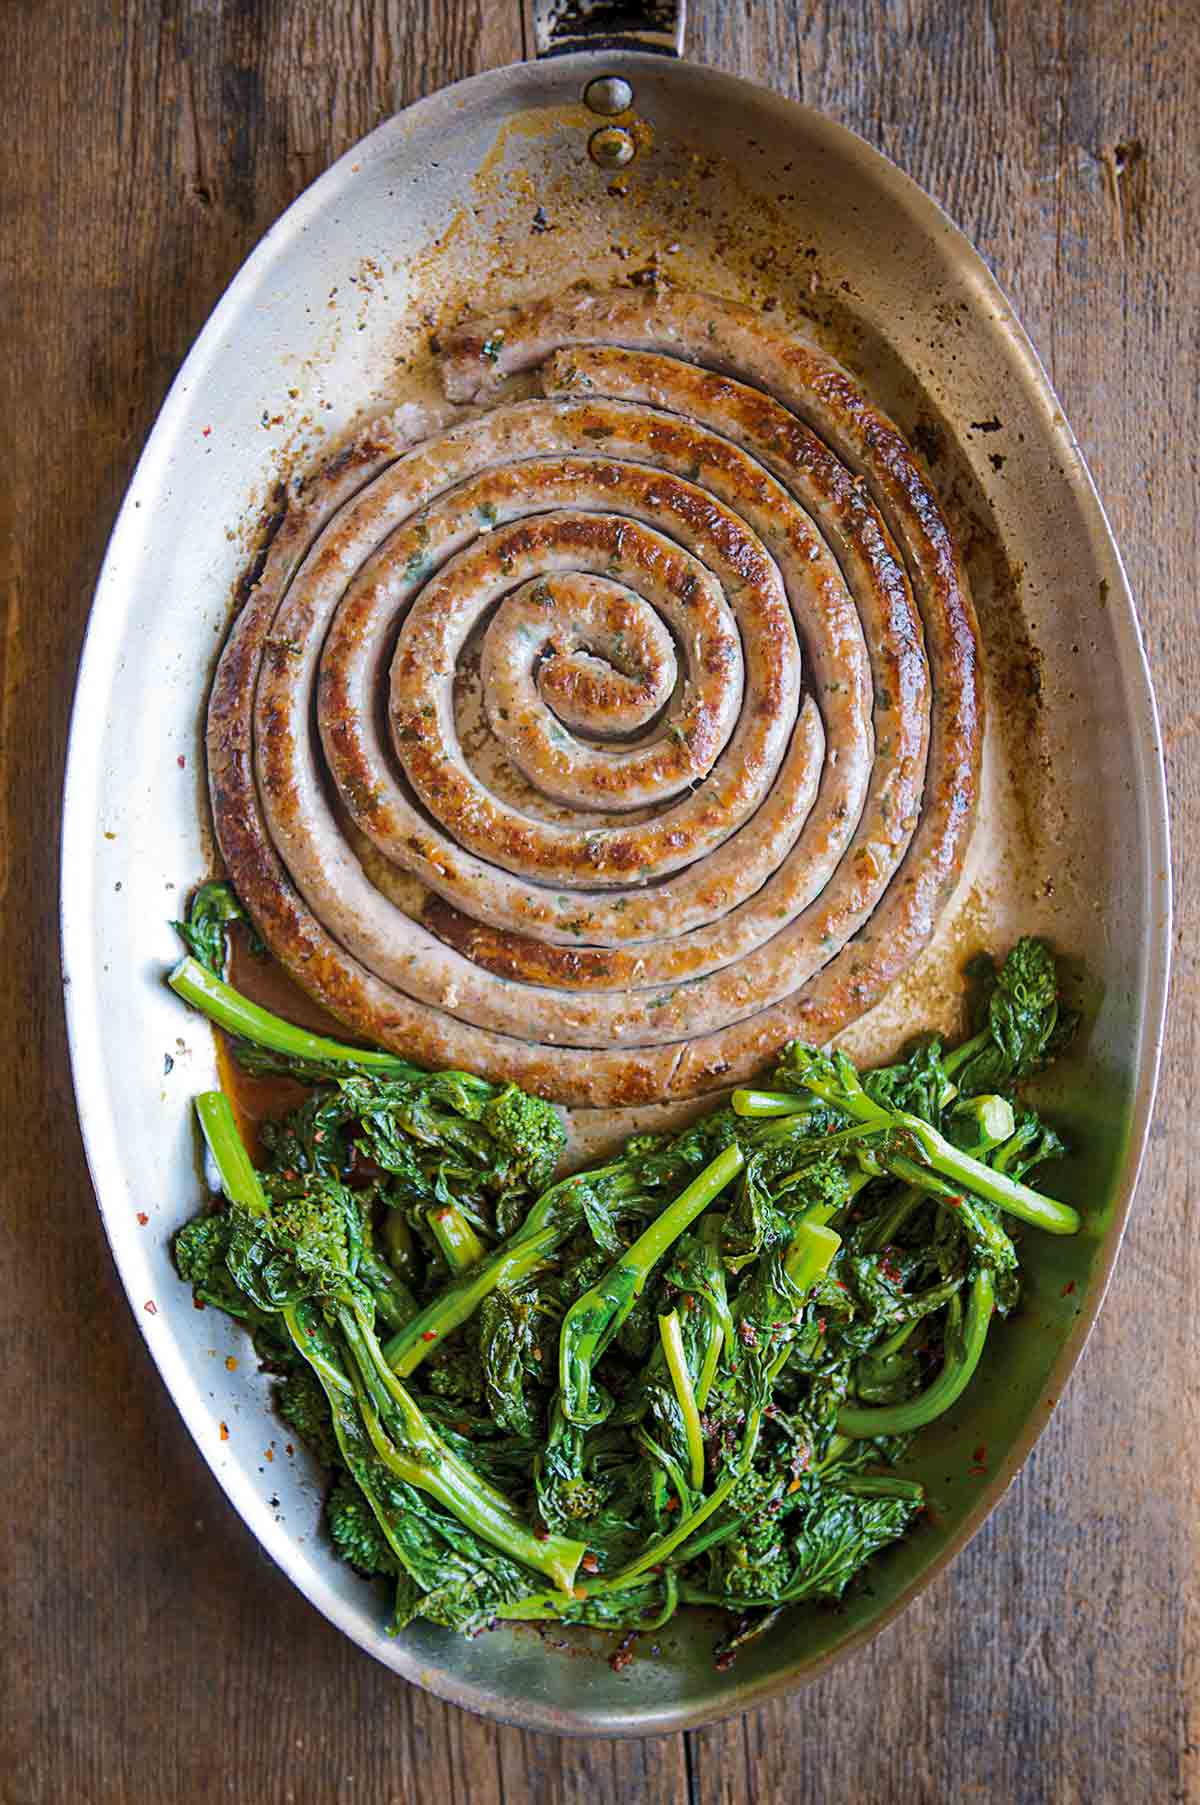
[397, 1239]
[671, 1335]
[923, 1183]
[422, 1459]
[593, 1319]
[460, 1245]
[887, 1226]
[977, 1124]
[510, 1263]
[720, 1321]
[969, 1174]
[769, 1103]
[239, 1181]
[761, 1104]
[230, 1010]
[622, 1615]
[549, 1222]
[810, 1253]
[394, 1302]
[954, 1062]
[882, 1485]
[964, 1343]
[671, 1543]
[417, 1454]
[883, 1350]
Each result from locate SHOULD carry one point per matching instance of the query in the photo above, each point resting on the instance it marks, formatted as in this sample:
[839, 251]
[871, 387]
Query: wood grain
[149, 1651]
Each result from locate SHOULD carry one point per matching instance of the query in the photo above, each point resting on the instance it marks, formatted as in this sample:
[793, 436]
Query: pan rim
[82, 980]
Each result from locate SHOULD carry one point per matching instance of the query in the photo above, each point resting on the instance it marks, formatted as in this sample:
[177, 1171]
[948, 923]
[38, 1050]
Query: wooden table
[150, 1653]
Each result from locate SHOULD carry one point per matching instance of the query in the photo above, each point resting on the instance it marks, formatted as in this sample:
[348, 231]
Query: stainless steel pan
[495, 189]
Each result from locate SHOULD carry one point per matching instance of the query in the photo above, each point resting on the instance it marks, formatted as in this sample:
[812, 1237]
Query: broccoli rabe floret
[1022, 1025]
[354, 1529]
[200, 1249]
[529, 1132]
[305, 1409]
[316, 1220]
[576, 1498]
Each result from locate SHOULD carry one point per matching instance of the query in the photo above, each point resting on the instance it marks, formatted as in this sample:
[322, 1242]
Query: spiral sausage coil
[607, 737]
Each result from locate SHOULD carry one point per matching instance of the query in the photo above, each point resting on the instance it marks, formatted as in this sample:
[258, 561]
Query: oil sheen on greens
[687, 1376]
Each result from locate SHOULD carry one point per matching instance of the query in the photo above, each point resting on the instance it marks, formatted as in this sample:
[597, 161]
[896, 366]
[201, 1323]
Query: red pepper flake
[205, 432]
[230, 1363]
[1068, 1287]
[197, 1303]
[623, 1654]
[672, 1504]
[980, 1470]
[181, 761]
[590, 1564]
[541, 1532]
[820, 1325]
[142, 1218]
[839, 1284]
[980, 1452]
[956, 1202]
[269, 1453]
[223, 1431]
[150, 1307]
[289, 1448]
[429, 1335]
[725, 1661]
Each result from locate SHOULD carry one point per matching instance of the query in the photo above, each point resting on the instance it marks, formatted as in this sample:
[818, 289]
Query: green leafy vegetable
[300, 1248]
[356, 1531]
[1020, 1023]
[212, 908]
[686, 1375]
[833, 1078]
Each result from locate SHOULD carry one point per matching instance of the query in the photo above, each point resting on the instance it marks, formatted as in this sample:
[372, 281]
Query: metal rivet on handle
[612, 147]
[608, 94]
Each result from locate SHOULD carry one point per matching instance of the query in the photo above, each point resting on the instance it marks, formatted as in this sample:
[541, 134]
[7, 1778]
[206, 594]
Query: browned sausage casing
[606, 739]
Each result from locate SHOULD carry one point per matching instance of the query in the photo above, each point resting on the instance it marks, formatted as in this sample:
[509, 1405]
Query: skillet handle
[557, 26]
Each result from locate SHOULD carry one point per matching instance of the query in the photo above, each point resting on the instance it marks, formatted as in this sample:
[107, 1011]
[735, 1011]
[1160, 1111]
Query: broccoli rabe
[686, 1375]
[280, 1275]
[201, 1253]
[305, 1409]
[1020, 1023]
[213, 906]
[354, 1529]
[529, 1135]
